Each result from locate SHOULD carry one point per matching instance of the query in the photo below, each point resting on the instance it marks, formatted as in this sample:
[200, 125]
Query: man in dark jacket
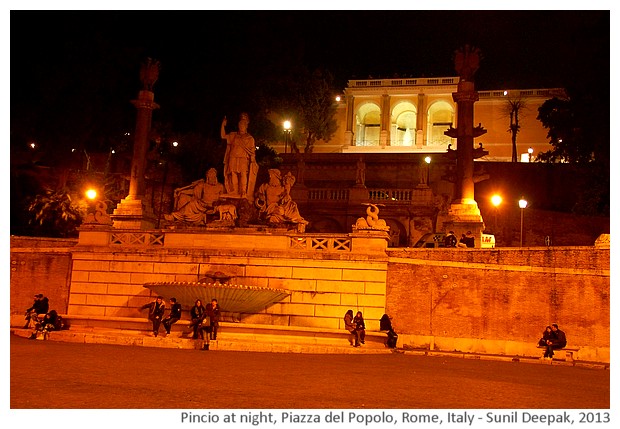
[39, 306]
[213, 312]
[156, 312]
[558, 342]
[174, 316]
[450, 239]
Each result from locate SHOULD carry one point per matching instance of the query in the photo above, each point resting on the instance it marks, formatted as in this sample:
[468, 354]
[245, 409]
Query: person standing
[174, 316]
[450, 239]
[213, 311]
[156, 312]
[559, 342]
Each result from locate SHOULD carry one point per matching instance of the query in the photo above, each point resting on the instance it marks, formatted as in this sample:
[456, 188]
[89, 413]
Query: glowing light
[496, 200]
[338, 98]
[287, 125]
[427, 159]
[91, 194]
[522, 203]
[505, 92]
[175, 144]
[33, 145]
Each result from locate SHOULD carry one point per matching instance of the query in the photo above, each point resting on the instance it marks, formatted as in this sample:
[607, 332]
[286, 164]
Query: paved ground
[81, 376]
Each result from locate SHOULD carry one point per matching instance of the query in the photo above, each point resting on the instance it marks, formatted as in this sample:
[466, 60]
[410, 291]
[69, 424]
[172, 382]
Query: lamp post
[428, 169]
[496, 200]
[287, 133]
[530, 151]
[522, 206]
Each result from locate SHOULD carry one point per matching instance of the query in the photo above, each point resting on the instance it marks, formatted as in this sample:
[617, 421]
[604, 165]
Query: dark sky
[65, 60]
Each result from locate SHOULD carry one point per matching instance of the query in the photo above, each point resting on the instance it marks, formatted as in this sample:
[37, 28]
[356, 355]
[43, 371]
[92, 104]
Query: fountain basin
[231, 298]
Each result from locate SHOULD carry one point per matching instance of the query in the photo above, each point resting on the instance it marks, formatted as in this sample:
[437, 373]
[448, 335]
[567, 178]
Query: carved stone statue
[371, 221]
[274, 202]
[360, 173]
[466, 62]
[192, 203]
[149, 72]
[240, 167]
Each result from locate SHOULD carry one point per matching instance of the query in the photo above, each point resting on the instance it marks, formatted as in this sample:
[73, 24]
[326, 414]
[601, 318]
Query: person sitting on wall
[350, 326]
[385, 324]
[52, 321]
[559, 342]
[173, 317]
[197, 313]
[548, 335]
[40, 307]
[360, 327]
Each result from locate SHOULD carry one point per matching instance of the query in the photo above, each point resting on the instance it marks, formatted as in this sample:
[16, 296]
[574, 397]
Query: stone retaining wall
[480, 300]
[500, 300]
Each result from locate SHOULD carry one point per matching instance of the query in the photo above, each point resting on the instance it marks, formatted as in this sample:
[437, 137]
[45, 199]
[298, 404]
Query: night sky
[65, 63]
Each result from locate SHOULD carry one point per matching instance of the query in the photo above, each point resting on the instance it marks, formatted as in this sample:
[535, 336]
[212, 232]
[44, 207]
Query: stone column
[348, 134]
[133, 212]
[464, 214]
[420, 121]
[385, 121]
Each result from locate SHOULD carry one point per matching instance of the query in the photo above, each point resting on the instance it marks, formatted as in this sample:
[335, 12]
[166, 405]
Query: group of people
[356, 326]
[467, 240]
[40, 319]
[553, 339]
[202, 319]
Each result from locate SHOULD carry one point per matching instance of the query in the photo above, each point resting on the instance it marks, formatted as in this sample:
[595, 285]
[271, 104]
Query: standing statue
[274, 200]
[360, 173]
[192, 203]
[149, 72]
[466, 62]
[240, 167]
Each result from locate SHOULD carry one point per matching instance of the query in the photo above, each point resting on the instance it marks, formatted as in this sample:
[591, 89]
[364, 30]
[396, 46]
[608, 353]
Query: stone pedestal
[464, 215]
[133, 214]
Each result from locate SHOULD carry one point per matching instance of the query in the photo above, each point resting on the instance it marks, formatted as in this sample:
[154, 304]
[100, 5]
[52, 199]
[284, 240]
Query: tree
[579, 134]
[316, 106]
[56, 214]
[566, 132]
[513, 108]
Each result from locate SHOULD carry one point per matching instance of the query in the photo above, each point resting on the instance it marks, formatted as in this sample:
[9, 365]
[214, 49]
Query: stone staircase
[231, 336]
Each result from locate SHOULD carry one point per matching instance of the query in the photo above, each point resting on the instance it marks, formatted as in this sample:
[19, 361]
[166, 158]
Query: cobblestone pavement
[71, 375]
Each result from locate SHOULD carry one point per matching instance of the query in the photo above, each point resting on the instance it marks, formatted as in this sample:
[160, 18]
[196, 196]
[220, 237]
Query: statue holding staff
[240, 167]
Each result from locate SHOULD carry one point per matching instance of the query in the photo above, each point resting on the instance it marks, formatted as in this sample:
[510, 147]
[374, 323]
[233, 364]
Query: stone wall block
[317, 273]
[132, 266]
[340, 286]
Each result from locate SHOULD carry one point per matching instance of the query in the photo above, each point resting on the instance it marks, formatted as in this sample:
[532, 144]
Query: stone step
[229, 343]
[231, 336]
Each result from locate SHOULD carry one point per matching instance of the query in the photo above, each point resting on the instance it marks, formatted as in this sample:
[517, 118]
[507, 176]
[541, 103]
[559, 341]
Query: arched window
[368, 125]
[440, 118]
[403, 130]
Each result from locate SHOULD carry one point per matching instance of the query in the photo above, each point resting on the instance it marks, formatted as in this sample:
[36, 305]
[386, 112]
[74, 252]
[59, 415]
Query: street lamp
[522, 206]
[287, 133]
[496, 200]
[91, 194]
[428, 169]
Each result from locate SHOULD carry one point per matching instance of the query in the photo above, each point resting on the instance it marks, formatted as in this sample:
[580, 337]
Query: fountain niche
[234, 299]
